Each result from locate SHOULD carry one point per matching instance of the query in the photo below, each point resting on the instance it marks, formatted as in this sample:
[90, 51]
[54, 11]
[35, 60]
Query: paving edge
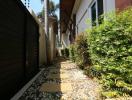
[25, 87]
[123, 98]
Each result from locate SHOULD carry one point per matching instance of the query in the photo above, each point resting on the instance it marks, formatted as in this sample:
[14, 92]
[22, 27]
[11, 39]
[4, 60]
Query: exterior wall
[82, 9]
[65, 40]
[121, 4]
[52, 41]
[50, 50]
[42, 41]
[47, 48]
[82, 15]
[109, 6]
[42, 47]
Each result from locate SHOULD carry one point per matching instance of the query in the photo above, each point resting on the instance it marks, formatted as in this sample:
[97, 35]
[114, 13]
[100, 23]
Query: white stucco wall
[109, 6]
[65, 40]
[84, 10]
[42, 41]
[52, 41]
[82, 15]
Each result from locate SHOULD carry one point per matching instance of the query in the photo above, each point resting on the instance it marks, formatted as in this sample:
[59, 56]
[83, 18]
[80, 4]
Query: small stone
[62, 83]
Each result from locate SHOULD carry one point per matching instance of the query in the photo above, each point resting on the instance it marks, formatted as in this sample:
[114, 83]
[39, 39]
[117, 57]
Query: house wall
[42, 47]
[82, 15]
[82, 9]
[50, 45]
[65, 40]
[42, 41]
[121, 4]
[52, 41]
[109, 6]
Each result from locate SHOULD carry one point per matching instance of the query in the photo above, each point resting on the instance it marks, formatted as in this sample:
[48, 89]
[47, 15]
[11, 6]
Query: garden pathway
[62, 81]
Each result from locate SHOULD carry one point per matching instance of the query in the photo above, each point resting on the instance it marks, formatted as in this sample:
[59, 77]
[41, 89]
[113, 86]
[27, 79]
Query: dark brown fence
[18, 47]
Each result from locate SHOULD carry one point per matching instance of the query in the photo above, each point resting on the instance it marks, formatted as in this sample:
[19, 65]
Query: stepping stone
[67, 66]
[56, 70]
[54, 87]
[60, 76]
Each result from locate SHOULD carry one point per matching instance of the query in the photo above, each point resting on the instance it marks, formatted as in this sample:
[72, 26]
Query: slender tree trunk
[46, 26]
[46, 3]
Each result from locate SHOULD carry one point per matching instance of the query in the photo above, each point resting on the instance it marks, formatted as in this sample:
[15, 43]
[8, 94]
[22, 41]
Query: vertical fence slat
[18, 32]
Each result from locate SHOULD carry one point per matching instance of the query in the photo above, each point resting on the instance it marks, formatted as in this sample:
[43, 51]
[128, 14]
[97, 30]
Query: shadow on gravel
[48, 85]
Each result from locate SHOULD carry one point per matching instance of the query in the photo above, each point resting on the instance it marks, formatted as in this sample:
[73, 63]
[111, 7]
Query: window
[100, 11]
[93, 14]
[96, 11]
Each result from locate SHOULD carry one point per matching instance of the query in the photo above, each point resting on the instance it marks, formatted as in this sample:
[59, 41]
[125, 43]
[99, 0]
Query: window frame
[90, 11]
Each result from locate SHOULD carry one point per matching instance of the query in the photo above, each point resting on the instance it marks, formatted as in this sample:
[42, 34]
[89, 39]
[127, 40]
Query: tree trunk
[46, 9]
[46, 3]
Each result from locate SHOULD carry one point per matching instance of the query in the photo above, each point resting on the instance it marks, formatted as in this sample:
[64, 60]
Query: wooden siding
[18, 47]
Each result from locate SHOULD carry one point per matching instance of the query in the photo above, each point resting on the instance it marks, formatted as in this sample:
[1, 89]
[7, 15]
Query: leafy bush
[72, 52]
[111, 53]
[79, 51]
[82, 55]
[65, 52]
[62, 52]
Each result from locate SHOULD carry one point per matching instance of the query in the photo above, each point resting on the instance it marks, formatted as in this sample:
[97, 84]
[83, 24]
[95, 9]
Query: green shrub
[111, 53]
[66, 52]
[82, 55]
[62, 52]
[79, 51]
[72, 52]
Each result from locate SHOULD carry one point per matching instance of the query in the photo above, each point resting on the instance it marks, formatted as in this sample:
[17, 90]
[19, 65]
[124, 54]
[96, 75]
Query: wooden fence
[19, 47]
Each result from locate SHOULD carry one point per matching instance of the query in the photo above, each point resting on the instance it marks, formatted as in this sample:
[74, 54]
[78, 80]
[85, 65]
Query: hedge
[107, 48]
[79, 51]
[110, 48]
[65, 52]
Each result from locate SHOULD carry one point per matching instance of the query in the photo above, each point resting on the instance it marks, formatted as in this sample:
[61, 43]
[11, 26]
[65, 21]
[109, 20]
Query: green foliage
[79, 51]
[62, 52]
[110, 94]
[92, 71]
[82, 55]
[111, 53]
[65, 52]
[72, 52]
[51, 11]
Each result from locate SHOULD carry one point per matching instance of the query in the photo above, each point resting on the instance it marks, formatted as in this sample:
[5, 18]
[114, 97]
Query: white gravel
[83, 88]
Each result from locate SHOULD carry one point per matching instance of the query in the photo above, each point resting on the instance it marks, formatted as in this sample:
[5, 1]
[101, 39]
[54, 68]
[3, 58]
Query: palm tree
[46, 10]
[49, 10]
[52, 8]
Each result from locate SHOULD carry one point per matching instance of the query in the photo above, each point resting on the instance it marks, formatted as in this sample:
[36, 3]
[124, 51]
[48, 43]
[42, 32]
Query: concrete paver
[58, 75]
[62, 87]
[63, 81]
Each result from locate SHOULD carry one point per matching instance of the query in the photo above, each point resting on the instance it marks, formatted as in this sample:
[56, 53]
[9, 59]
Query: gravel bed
[83, 88]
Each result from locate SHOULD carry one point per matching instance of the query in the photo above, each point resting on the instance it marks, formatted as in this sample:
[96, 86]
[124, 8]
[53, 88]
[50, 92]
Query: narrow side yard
[62, 81]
